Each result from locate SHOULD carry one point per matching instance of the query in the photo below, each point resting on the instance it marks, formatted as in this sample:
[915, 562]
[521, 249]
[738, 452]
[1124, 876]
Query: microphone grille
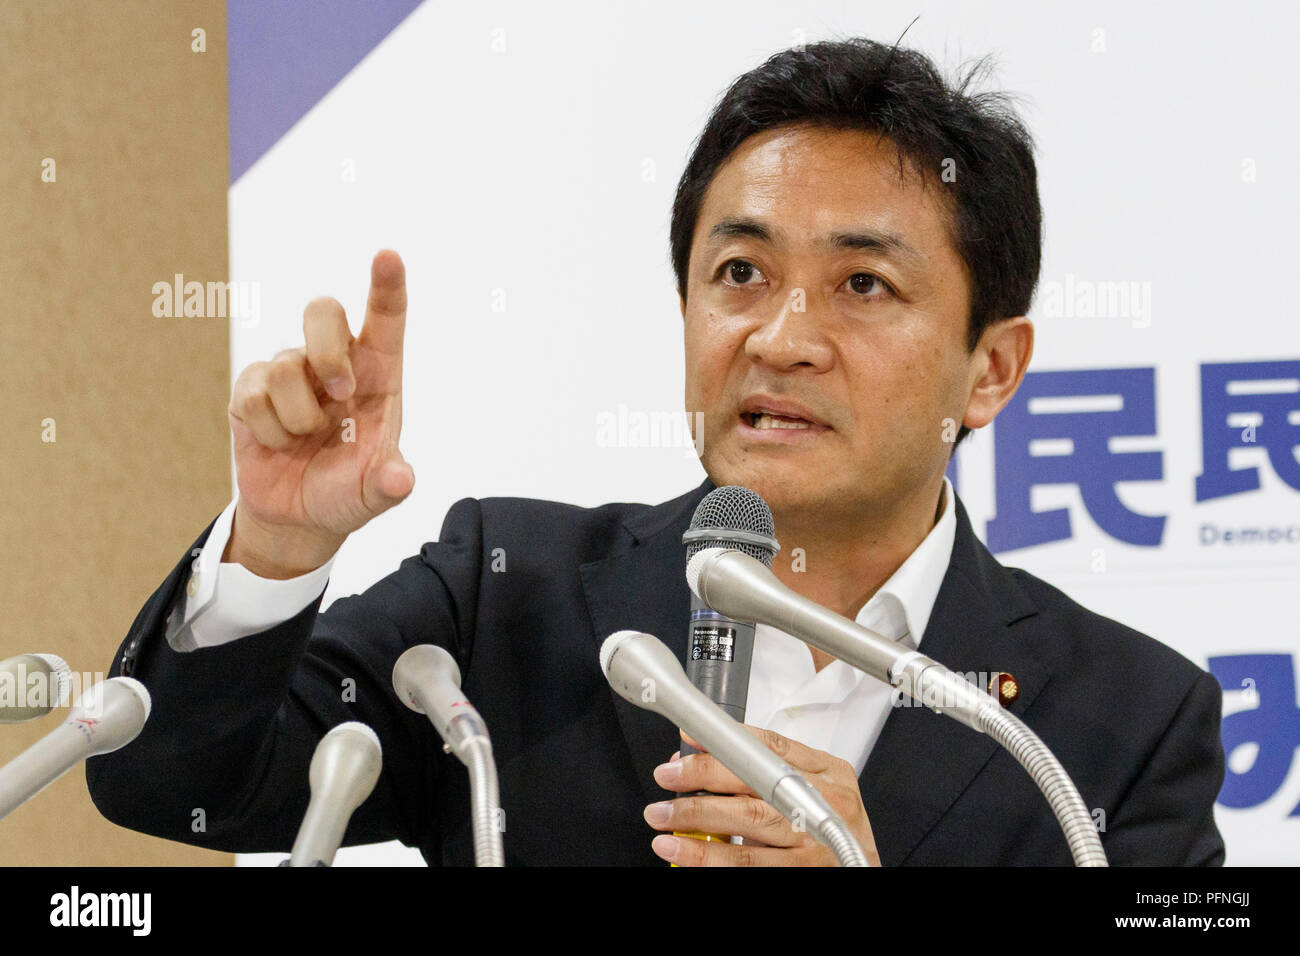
[60, 677]
[693, 567]
[357, 727]
[610, 645]
[141, 692]
[733, 517]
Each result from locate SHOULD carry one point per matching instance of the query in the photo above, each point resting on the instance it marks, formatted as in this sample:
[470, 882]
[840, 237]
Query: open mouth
[765, 420]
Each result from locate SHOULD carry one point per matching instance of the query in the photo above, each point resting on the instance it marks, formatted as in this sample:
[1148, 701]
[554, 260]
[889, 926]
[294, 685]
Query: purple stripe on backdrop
[285, 55]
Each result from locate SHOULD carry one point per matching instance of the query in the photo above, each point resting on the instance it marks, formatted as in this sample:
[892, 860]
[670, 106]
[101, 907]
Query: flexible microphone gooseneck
[427, 680]
[643, 671]
[737, 584]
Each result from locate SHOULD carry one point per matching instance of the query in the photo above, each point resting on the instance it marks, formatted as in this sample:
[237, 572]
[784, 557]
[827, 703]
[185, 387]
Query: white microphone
[109, 715]
[644, 672]
[427, 680]
[21, 698]
[736, 584]
[344, 770]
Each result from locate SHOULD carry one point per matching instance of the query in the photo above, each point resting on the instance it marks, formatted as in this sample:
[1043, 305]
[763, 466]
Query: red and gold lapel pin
[1004, 687]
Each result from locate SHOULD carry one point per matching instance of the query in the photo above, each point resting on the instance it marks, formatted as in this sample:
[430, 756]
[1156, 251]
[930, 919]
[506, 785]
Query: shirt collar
[901, 608]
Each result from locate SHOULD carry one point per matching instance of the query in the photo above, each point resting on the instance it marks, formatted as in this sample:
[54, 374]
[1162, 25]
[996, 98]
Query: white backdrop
[522, 158]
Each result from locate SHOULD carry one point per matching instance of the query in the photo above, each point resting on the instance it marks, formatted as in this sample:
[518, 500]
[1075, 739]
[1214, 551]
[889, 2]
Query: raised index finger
[385, 323]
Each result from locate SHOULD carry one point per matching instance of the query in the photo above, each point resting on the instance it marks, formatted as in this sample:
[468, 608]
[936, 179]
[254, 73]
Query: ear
[997, 368]
[682, 300]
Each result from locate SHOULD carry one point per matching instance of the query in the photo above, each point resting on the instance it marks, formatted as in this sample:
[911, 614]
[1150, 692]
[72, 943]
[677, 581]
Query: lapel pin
[1004, 687]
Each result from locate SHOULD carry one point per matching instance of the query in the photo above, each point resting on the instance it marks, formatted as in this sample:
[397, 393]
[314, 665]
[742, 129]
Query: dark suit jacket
[233, 727]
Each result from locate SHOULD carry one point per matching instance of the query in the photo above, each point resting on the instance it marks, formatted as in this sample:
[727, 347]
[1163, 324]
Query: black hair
[859, 84]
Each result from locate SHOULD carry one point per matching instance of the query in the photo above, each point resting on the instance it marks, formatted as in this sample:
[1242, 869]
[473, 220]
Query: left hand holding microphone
[732, 807]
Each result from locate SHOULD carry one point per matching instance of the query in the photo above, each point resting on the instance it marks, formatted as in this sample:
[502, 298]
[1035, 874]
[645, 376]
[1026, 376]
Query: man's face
[826, 323]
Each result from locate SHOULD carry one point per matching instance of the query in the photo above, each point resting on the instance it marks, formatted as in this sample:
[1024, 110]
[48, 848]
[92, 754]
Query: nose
[792, 338]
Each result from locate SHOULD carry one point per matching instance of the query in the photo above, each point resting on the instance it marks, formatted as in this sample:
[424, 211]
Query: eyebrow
[872, 240]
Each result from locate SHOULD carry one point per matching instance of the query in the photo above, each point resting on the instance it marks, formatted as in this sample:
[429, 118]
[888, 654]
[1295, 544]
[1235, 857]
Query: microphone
[108, 716]
[427, 680]
[643, 671]
[737, 584]
[720, 648]
[344, 770]
[18, 700]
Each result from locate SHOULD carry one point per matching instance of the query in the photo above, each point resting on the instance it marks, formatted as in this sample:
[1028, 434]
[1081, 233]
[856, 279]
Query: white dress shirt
[837, 709]
[225, 600]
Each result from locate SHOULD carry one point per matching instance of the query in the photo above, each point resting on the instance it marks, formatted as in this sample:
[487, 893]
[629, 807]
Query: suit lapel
[922, 762]
[643, 588]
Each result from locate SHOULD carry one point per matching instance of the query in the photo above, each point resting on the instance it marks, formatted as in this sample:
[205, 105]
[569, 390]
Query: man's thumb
[388, 482]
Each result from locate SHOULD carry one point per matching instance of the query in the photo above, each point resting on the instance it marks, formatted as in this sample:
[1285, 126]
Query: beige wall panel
[135, 122]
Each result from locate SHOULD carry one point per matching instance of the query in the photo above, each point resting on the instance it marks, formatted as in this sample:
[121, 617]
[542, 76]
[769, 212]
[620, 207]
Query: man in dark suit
[234, 726]
[850, 310]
